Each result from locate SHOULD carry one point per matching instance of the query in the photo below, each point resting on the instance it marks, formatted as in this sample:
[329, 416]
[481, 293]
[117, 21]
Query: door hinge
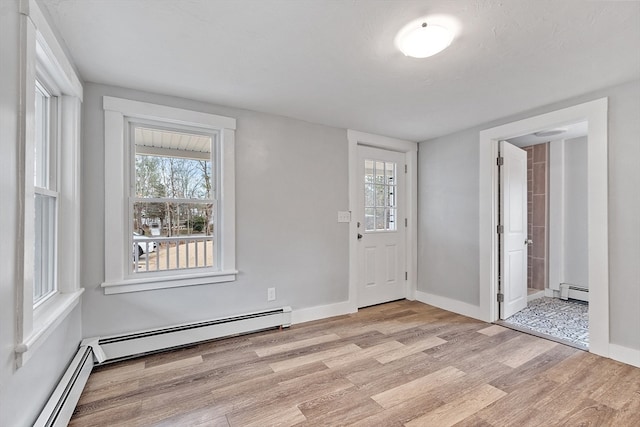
[406, 275]
[406, 222]
[405, 168]
[500, 229]
[500, 161]
[500, 297]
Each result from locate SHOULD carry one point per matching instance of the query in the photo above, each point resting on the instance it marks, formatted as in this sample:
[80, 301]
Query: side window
[50, 104]
[45, 195]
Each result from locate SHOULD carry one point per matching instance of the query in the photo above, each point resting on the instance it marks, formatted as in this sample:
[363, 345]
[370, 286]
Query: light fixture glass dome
[425, 40]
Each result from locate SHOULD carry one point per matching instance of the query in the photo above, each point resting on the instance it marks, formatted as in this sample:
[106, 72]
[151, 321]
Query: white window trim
[42, 54]
[117, 112]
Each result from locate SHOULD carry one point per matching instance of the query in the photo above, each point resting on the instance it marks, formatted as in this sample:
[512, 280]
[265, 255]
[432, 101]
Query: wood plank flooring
[402, 363]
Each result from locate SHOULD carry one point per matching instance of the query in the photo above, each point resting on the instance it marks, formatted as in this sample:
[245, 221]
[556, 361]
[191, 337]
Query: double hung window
[49, 189]
[169, 197]
[45, 195]
[173, 199]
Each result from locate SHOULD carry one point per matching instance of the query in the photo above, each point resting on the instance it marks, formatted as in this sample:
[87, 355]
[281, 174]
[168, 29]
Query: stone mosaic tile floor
[567, 321]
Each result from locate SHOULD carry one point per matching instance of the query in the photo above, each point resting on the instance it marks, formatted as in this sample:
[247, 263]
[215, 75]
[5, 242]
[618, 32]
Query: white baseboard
[322, 312]
[626, 355]
[449, 304]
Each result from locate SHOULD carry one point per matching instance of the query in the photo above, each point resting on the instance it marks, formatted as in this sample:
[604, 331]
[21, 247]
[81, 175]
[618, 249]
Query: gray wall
[24, 391]
[291, 179]
[448, 208]
[448, 246]
[576, 265]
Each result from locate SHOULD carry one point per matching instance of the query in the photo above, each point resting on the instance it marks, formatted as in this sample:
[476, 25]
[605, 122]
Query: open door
[513, 238]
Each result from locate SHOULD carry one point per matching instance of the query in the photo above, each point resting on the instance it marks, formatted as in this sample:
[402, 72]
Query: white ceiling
[334, 61]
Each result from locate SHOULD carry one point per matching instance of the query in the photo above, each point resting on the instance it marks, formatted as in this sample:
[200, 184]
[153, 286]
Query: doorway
[595, 113]
[380, 222]
[556, 291]
[383, 261]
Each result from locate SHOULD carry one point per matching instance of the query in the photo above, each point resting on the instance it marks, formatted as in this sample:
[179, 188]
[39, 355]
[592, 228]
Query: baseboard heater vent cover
[60, 406]
[572, 291]
[114, 348]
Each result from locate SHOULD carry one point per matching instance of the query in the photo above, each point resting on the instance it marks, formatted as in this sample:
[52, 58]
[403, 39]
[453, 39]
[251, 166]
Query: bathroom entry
[557, 211]
[557, 236]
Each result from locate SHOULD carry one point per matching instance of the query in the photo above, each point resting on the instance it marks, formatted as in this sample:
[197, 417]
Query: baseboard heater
[568, 290]
[119, 347]
[59, 408]
[101, 350]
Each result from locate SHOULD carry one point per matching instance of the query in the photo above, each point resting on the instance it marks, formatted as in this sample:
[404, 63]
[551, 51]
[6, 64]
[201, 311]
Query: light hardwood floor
[402, 363]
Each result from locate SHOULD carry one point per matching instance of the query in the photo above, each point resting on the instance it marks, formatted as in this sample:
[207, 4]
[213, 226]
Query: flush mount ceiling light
[550, 132]
[421, 39]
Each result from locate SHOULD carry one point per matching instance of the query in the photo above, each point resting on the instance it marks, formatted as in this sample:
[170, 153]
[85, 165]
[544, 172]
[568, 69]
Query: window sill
[166, 282]
[45, 320]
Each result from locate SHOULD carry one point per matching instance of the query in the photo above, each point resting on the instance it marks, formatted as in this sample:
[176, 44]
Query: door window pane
[380, 197]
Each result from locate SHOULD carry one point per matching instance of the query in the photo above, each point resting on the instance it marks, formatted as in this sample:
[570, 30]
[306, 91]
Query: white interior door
[513, 239]
[381, 230]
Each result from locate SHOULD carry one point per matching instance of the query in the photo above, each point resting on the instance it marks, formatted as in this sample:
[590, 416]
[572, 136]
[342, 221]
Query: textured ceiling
[334, 61]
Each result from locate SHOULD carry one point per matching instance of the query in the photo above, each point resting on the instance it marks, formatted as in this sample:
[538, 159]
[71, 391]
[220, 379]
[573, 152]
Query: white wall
[568, 226]
[291, 179]
[449, 215]
[24, 391]
[575, 213]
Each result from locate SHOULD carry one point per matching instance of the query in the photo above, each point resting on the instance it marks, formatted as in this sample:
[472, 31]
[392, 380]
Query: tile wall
[537, 198]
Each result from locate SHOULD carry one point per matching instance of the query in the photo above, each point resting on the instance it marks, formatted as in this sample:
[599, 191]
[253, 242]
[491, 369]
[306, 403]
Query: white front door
[381, 226]
[513, 239]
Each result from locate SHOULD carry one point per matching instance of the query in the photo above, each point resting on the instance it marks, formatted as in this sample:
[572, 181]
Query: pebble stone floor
[565, 320]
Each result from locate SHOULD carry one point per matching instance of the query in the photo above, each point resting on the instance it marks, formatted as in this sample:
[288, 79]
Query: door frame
[410, 149]
[595, 113]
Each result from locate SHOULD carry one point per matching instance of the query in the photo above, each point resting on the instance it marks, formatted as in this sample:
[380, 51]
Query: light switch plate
[344, 216]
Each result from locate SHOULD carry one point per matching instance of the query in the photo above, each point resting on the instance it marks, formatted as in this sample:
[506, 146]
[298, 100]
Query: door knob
[528, 242]
[359, 236]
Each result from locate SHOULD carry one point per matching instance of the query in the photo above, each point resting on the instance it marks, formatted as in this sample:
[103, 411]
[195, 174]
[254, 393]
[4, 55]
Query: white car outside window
[143, 244]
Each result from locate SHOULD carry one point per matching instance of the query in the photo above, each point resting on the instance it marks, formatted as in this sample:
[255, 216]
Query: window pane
[171, 236]
[177, 229]
[369, 195]
[41, 157]
[170, 164]
[380, 219]
[44, 275]
[369, 219]
[380, 172]
[391, 197]
[368, 171]
[380, 197]
[390, 173]
[391, 220]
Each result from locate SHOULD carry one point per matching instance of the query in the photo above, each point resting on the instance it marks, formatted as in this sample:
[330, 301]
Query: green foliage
[199, 223]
